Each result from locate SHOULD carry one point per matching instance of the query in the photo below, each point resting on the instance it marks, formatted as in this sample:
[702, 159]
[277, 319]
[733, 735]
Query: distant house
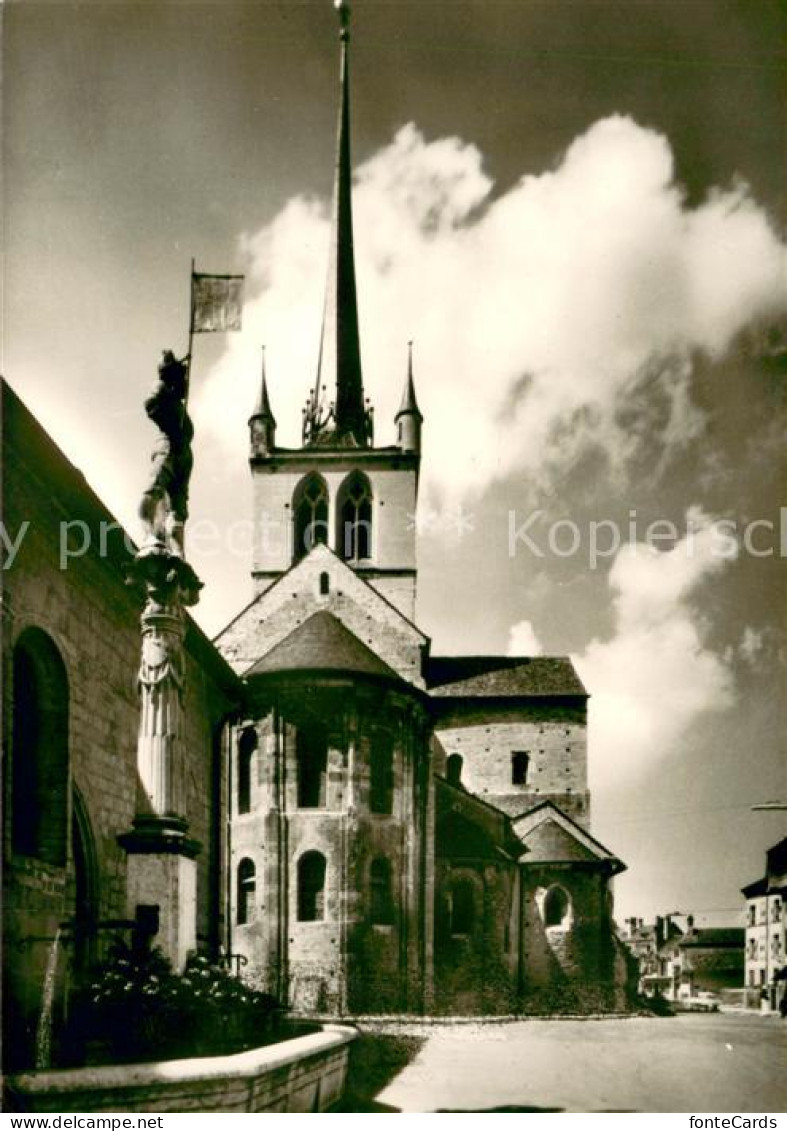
[766, 940]
[644, 941]
[697, 960]
[710, 960]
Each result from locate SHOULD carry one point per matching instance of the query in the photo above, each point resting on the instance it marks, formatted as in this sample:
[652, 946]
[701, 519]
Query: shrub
[137, 1008]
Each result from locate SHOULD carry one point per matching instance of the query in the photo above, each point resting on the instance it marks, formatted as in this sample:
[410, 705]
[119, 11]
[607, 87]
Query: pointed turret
[262, 423]
[346, 423]
[409, 417]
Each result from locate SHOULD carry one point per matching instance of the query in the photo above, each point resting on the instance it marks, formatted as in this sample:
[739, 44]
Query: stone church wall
[294, 598]
[93, 621]
[486, 735]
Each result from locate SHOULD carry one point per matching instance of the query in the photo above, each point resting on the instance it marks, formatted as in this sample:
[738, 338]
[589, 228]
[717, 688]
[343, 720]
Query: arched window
[453, 769]
[381, 773]
[462, 908]
[380, 893]
[311, 752]
[247, 890]
[325, 584]
[310, 515]
[520, 763]
[40, 775]
[82, 887]
[247, 745]
[311, 887]
[556, 907]
[354, 510]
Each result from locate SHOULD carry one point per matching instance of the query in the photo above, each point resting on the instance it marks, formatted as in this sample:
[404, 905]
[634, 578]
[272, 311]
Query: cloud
[656, 676]
[522, 640]
[537, 314]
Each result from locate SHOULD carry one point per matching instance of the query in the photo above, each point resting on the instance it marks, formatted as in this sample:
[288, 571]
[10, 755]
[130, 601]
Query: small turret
[409, 419]
[262, 423]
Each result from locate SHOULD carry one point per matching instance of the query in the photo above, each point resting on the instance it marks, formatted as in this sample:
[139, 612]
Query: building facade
[766, 933]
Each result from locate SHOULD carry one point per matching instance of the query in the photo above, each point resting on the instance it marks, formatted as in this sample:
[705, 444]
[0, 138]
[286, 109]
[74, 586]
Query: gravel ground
[721, 1062]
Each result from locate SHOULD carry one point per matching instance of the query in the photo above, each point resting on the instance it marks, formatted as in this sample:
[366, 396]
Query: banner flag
[216, 303]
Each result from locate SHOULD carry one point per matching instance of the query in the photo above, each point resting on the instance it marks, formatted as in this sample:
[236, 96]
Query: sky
[576, 210]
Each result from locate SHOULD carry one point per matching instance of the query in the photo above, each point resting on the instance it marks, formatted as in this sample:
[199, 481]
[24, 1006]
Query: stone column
[162, 870]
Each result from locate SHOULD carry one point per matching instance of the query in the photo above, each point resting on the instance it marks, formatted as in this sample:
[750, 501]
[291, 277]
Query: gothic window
[520, 763]
[354, 541]
[247, 745]
[311, 752]
[380, 893]
[247, 888]
[381, 777]
[462, 904]
[310, 515]
[453, 769]
[39, 764]
[556, 907]
[311, 887]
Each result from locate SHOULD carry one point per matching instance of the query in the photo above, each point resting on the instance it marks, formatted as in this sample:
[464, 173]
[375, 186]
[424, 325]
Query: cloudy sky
[576, 209]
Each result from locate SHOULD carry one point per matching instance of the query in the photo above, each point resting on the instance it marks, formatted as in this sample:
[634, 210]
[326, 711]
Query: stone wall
[393, 481]
[294, 598]
[344, 961]
[571, 965]
[307, 1074]
[92, 620]
[486, 734]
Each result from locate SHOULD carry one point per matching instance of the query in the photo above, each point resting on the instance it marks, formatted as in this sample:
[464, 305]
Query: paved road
[724, 1062]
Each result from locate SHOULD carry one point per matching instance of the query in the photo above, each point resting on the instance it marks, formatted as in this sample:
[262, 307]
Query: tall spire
[262, 423]
[340, 349]
[409, 418]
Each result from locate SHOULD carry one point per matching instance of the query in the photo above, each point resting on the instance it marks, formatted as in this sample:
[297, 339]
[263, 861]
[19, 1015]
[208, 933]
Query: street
[722, 1062]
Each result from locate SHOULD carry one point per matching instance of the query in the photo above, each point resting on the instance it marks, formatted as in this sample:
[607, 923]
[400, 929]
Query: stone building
[409, 832]
[766, 932]
[375, 828]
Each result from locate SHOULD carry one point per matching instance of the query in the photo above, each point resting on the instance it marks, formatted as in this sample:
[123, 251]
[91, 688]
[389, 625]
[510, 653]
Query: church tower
[338, 489]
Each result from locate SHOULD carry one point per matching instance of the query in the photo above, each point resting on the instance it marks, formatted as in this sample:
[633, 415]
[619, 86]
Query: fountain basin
[305, 1074]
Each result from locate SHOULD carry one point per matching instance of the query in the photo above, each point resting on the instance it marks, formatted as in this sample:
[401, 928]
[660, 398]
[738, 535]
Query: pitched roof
[552, 837]
[502, 677]
[757, 887]
[322, 643]
[715, 936]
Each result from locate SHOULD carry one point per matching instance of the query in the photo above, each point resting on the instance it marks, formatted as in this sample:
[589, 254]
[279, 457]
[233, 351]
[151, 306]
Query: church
[360, 825]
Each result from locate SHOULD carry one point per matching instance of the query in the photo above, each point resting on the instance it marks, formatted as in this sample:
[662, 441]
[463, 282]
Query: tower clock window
[354, 540]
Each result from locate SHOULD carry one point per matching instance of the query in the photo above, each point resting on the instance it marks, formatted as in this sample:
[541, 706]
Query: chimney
[689, 924]
[659, 930]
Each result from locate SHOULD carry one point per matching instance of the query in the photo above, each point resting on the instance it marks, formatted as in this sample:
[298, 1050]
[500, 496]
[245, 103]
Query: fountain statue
[166, 584]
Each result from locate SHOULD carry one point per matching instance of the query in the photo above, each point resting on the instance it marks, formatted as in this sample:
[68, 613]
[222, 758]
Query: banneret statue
[164, 505]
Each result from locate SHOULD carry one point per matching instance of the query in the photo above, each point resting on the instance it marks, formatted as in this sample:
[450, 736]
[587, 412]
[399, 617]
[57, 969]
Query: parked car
[702, 1002]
